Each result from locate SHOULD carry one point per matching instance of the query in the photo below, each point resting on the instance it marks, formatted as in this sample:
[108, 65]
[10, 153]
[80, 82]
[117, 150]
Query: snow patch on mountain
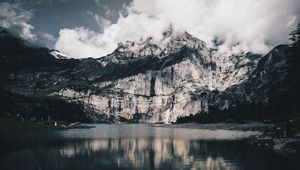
[58, 55]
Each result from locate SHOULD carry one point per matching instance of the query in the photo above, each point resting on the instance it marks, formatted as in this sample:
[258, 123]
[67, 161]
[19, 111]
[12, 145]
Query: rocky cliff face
[152, 81]
[170, 90]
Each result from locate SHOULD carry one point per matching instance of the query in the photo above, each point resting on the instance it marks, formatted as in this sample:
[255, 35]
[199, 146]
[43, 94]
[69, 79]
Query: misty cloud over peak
[94, 28]
[236, 25]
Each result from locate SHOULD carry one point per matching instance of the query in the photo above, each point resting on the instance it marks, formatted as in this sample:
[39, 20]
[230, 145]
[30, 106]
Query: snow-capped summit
[58, 55]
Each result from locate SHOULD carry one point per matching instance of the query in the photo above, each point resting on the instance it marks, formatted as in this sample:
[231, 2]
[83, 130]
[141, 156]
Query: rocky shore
[277, 139]
[274, 138]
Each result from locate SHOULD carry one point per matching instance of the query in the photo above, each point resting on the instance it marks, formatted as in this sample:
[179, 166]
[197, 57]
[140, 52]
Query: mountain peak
[171, 42]
[168, 32]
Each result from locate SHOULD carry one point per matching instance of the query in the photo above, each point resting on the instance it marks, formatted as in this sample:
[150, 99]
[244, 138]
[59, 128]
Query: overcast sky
[93, 28]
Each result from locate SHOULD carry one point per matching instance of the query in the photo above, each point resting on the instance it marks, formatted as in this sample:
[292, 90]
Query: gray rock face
[172, 90]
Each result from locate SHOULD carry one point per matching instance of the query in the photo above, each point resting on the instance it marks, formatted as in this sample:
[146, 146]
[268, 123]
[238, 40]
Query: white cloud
[12, 16]
[102, 22]
[16, 19]
[242, 25]
[26, 32]
[81, 42]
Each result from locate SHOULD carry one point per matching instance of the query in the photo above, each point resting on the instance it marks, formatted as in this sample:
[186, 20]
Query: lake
[134, 146]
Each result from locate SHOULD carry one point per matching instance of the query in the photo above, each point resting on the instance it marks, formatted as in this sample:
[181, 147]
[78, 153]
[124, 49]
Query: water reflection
[156, 153]
[120, 147]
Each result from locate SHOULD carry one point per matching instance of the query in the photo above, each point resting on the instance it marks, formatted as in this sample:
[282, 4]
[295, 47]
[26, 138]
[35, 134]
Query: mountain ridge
[146, 82]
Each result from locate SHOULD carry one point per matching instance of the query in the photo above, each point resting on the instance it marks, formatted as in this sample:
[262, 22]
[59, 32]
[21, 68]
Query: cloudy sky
[93, 28]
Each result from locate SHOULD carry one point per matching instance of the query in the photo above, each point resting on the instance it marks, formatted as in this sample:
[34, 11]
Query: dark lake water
[134, 146]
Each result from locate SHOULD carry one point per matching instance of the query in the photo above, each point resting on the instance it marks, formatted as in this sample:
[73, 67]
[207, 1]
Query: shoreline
[245, 126]
[12, 126]
[288, 147]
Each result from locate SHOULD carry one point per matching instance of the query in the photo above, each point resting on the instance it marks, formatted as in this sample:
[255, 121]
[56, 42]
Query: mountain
[175, 79]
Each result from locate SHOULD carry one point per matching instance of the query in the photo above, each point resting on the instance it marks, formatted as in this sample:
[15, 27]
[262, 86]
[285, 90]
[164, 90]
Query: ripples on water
[132, 147]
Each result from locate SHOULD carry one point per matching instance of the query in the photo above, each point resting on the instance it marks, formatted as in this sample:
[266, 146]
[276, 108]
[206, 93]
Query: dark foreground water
[134, 147]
